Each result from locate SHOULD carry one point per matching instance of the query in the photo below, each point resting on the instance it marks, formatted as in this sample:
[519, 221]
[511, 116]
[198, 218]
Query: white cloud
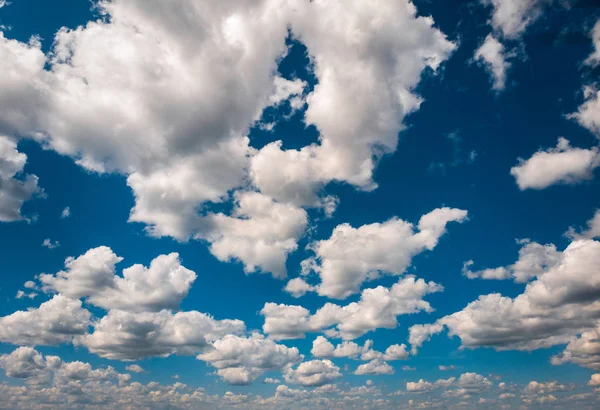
[493, 56]
[313, 373]
[511, 17]
[557, 305]
[14, 190]
[22, 294]
[563, 164]
[260, 233]
[425, 386]
[65, 213]
[352, 256]
[534, 260]
[592, 231]
[377, 308]
[583, 350]
[270, 380]
[92, 276]
[49, 244]
[594, 58]
[298, 287]
[122, 335]
[374, 367]
[241, 360]
[594, 380]
[588, 113]
[136, 368]
[324, 349]
[53, 322]
[284, 89]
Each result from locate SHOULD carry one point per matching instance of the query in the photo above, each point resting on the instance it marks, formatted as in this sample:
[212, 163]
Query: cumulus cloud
[241, 360]
[592, 231]
[324, 349]
[561, 165]
[534, 260]
[92, 276]
[425, 386]
[559, 304]
[493, 56]
[352, 256]
[56, 321]
[122, 335]
[594, 58]
[260, 233]
[15, 188]
[583, 350]
[136, 368]
[511, 17]
[374, 367]
[313, 373]
[588, 113]
[377, 308]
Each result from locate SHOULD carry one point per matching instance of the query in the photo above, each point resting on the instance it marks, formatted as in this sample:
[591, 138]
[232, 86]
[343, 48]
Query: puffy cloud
[473, 382]
[325, 349]
[563, 164]
[122, 335]
[374, 367]
[53, 322]
[65, 213]
[588, 113]
[241, 360]
[260, 233]
[534, 387]
[594, 58]
[298, 287]
[92, 275]
[592, 231]
[534, 260]
[425, 386]
[558, 304]
[365, 88]
[134, 368]
[583, 350]
[284, 89]
[493, 56]
[377, 308]
[511, 17]
[313, 373]
[594, 380]
[49, 244]
[14, 191]
[353, 255]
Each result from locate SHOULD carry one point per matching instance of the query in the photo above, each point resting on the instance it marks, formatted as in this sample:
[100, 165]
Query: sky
[295, 204]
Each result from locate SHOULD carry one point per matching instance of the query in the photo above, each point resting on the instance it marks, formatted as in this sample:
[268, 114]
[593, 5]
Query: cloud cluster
[377, 308]
[15, 188]
[559, 304]
[352, 256]
[92, 276]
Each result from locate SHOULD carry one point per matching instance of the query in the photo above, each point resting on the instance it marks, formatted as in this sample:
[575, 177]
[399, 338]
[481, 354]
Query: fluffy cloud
[353, 255]
[594, 58]
[493, 56]
[374, 367]
[324, 349]
[260, 233]
[425, 386]
[365, 88]
[134, 368]
[511, 17]
[559, 304]
[588, 113]
[92, 275]
[241, 360]
[53, 322]
[592, 231]
[313, 373]
[377, 308]
[534, 260]
[583, 350]
[563, 164]
[122, 335]
[14, 190]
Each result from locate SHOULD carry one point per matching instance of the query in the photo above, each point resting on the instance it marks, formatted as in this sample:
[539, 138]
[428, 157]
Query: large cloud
[559, 304]
[377, 308]
[54, 322]
[561, 165]
[122, 335]
[353, 255]
[13, 191]
[92, 275]
[241, 360]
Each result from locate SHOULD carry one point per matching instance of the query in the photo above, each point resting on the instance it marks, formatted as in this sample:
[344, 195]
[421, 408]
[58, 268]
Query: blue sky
[134, 116]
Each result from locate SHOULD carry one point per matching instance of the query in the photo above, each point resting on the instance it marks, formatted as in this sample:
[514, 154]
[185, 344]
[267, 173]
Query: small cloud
[444, 368]
[134, 368]
[270, 380]
[21, 295]
[408, 368]
[65, 213]
[49, 244]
